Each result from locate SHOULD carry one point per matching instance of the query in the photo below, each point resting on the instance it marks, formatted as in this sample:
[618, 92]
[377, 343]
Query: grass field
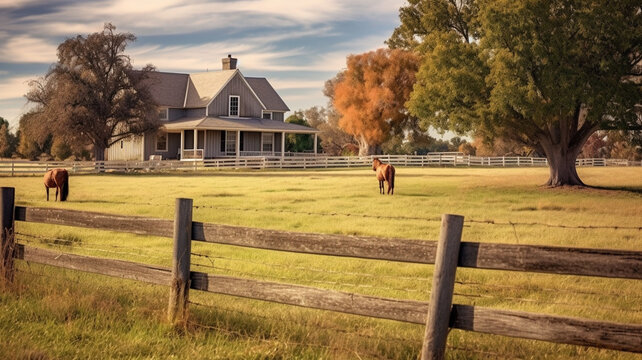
[61, 314]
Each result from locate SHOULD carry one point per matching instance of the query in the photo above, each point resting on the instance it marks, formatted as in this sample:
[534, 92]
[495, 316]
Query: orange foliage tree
[371, 94]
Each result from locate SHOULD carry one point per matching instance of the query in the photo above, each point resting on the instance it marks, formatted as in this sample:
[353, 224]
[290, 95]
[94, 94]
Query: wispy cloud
[14, 88]
[25, 48]
[288, 84]
[164, 17]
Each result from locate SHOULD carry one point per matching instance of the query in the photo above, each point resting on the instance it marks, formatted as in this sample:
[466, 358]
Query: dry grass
[66, 314]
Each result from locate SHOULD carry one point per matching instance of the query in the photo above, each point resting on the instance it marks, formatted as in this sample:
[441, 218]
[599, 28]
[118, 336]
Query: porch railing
[196, 154]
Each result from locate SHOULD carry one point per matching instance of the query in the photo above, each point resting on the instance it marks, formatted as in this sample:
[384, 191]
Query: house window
[267, 139]
[234, 105]
[230, 142]
[161, 141]
[267, 115]
[163, 114]
[122, 143]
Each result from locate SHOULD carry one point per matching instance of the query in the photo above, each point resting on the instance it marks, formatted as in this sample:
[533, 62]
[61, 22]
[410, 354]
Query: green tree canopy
[298, 142]
[545, 73]
[8, 141]
[92, 92]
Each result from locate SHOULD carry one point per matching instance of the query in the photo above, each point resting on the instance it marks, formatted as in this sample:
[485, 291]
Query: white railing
[24, 167]
[196, 154]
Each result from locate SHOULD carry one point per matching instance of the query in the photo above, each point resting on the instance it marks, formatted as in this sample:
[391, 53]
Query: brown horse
[385, 172]
[58, 178]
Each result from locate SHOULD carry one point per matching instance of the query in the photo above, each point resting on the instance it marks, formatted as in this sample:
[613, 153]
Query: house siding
[213, 144]
[277, 142]
[250, 106]
[173, 144]
[132, 149]
[197, 112]
[174, 114]
[188, 139]
[200, 138]
[278, 116]
[251, 141]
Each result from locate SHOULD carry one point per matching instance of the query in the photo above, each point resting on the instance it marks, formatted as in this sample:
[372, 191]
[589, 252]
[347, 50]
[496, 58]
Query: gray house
[213, 115]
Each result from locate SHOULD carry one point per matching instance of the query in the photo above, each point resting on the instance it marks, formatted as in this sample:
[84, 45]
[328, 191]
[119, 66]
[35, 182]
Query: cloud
[16, 87]
[165, 17]
[24, 48]
[287, 84]
[8, 4]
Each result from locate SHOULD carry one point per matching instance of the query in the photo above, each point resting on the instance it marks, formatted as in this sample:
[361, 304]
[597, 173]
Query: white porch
[199, 144]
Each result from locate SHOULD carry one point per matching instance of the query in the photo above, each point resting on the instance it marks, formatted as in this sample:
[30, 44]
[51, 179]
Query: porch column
[238, 144]
[204, 143]
[195, 142]
[283, 144]
[180, 151]
[315, 144]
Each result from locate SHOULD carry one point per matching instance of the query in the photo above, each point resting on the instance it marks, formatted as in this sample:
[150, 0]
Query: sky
[296, 44]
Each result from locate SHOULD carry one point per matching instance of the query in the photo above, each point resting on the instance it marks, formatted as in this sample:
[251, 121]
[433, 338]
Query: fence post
[443, 284]
[179, 287]
[13, 167]
[7, 243]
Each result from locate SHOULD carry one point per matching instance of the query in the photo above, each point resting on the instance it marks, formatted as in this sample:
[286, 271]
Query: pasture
[66, 314]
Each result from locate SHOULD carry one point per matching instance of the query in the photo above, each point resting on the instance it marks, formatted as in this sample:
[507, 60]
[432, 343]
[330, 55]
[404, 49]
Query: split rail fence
[439, 314]
[24, 167]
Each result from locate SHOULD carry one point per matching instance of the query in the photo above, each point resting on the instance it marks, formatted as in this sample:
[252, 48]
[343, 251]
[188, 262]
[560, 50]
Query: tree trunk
[99, 152]
[99, 156]
[561, 164]
[366, 149]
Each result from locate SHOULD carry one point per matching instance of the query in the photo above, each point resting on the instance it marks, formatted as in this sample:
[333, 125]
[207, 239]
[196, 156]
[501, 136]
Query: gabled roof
[267, 94]
[199, 89]
[168, 89]
[243, 124]
[203, 87]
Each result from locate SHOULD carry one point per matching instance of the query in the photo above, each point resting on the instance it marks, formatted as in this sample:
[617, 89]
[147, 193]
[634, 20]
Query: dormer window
[267, 115]
[235, 102]
[163, 114]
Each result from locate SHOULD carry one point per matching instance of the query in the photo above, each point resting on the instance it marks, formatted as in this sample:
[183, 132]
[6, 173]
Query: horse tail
[64, 191]
[392, 177]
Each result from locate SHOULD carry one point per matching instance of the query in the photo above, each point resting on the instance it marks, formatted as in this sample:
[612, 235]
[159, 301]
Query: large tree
[545, 73]
[371, 94]
[94, 93]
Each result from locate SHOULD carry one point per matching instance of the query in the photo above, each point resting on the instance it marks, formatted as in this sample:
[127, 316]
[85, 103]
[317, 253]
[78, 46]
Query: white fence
[23, 167]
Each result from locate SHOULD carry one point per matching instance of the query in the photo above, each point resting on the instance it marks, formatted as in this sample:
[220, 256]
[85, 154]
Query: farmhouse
[212, 115]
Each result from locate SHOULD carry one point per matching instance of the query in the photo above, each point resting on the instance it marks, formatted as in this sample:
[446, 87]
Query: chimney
[229, 63]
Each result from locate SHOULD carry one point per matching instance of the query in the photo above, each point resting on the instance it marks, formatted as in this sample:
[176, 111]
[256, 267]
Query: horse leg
[381, 189]
[47, 190]
[56, 193]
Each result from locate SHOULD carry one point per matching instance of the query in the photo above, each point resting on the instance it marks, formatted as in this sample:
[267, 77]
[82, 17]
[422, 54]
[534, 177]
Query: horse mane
[64, 191]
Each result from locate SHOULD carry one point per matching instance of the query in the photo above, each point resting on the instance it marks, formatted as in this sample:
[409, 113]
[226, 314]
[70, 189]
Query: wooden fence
[24, 167]
[439, 314]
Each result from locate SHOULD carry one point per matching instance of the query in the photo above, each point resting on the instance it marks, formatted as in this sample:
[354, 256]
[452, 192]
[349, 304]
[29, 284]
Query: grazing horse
[385, 172]
[58, 178]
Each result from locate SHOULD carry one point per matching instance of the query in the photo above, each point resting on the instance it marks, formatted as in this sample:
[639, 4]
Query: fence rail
[553, 260]
[305, 161]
